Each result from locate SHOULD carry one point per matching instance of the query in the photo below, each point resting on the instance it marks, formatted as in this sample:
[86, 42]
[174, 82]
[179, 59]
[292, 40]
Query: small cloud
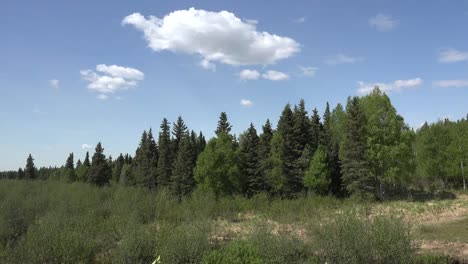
[308, 71]
[102, 97]
[398, 85]
[111, 78]
[451, 83]
[86, 146]
[300, 20]
[452, 55]
[118, 98]
[54, 83]
[275, 76]
[383, 22]
[249, 74]
[342, 59]
[246, 103]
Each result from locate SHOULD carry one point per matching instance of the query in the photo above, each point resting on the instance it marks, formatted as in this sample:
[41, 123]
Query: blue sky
[79, 72]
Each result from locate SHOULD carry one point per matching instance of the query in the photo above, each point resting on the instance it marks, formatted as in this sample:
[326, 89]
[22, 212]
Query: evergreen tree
[20, 174]
[78, 164]
[86, 161]
[201, 143]
[117, 168]
[145, 163]
[275, 168]
[30, 171]
[70, 175]
[302, 126]
[332, 153]
[354, 167]
[164, 167]
[223, 124]
[316, 130]
[252, 180]
[179, 130]
[290, 152]
[317, 177]
[182, 179]
[99, 173]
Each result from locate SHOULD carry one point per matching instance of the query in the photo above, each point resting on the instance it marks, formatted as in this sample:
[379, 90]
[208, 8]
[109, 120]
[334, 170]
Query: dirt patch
[458, 250]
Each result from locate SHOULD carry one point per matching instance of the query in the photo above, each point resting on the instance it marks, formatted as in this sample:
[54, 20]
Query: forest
[344, 186]
[364, 150]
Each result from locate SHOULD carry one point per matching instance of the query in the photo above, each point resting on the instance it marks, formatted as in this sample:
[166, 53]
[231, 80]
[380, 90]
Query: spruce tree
[182, 179]
[86, 161]
[20, 174]
[201, 141]
[30, 171]
[302, 126]
[70, 175]
[332, 153]
[99, 173]
[316, 130]
[117, 168]
[252, 180]
[78, 164]
[179, 130]
[354, 167]
[145, 162]
[165, 161]
[223, 125]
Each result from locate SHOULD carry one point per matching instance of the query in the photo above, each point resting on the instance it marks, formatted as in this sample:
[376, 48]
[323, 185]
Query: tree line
[364, 149]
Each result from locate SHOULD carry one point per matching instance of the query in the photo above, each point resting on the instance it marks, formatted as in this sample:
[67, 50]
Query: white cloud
[398, 85]
[86, 146]
[54, 83]
[246, 103]
[300, 20]
[109, 79]
[275, 76]
[342, 59]
[308, 71]
[451, 83]
[383, 22]
[102, 97]
[452, 55]
[249, 74]
[217, 37]
[208, 65]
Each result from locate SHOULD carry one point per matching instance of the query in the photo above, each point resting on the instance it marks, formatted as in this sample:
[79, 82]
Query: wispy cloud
[275, 76]
[398, 85]
[300, 20]
[102, 96]
[249, 74]
[342, 59]
[383, 22]
[308, 71]
[450, 83]
[246, 103]
[108, 79]
[54, 83]
[452, 55]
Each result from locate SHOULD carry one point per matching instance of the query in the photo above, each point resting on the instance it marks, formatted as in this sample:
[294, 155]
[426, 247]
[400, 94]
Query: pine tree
[179, 130]
[354, 167]
[316, 130]
[20, 174]
[302, 126]
[78, 164]
[290, 152]
[86, 161]
[182, 180]
[332, 153]
[252, 180]
[201, 143]
[223, 124]
[145, 162]
[117, 168]
[70, 175]
[165, 161]
[30, 171]
[317, 177]
[99, 173]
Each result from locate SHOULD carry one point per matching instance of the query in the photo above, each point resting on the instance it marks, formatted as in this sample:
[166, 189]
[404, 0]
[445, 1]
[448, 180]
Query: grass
[52, 222]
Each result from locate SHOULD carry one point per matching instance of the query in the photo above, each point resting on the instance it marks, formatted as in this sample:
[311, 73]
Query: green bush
[352, 237]
[238, 252]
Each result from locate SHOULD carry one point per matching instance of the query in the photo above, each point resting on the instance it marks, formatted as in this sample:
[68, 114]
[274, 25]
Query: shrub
[238, 252]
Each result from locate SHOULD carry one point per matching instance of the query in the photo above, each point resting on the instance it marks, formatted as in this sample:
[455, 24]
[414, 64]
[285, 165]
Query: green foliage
[183, 180]
[317, 177]
[223, 125]
[237, 252]
[164, 167]
[99, 173]
[30, 171]
[145, 162]
[217, 168]
[352, 237]
[252, 180]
